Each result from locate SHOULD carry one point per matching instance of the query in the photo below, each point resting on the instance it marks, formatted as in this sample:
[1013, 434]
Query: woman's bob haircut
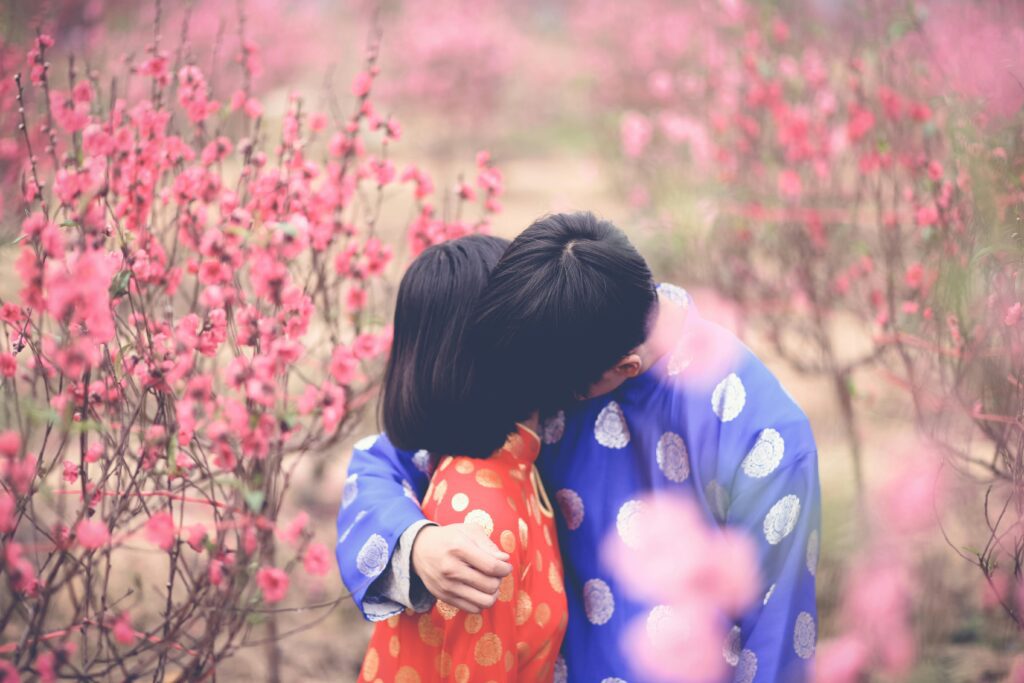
[427, 397]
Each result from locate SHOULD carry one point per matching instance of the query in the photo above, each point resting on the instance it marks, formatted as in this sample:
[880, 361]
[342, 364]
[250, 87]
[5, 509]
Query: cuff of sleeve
[397, 587]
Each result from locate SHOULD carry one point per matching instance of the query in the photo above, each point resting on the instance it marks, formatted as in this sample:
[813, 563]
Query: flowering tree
[865, 207]
[201, 308]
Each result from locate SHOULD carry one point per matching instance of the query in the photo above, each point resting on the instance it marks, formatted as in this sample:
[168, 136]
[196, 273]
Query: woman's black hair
[427, 391]
[569, 298]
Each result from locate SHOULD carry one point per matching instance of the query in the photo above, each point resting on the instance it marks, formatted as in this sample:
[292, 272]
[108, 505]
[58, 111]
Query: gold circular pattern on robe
[507, 541]
[555, 579]
[506, 588]
[430, 633]
[371, 664]
[512, 504]
[393, 621]
[444, 464]
[510, 660]
[460, 501]
[540, 561]
[447, 611]
[464, 466]
[542, 614]
[481, 519]
[462, 674]
[394, 646]
[407, 674]
[440, 491]
[444, 664]
[524, 607]
[488, 650]
[522, 649]
[474, 622]
[524, 535]
[518, 473]
[488, 478]
[547, 535]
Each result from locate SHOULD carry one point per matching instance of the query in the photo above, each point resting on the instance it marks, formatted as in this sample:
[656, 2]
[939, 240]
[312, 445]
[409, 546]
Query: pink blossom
[123, 631]
[926, 215]
[46, 666]
[8, 365]
[273, 582]
[914, 275]
[291, 532]
[678, 643]
[196, 536]
[1013, 315]
[10, 443]
[361, 84]
[92, 534]
[712, 565]
[790, 185]
[317, 559]
[8, 672]
[636, 132]
[70, 472]
[161, 530]
[842, 660]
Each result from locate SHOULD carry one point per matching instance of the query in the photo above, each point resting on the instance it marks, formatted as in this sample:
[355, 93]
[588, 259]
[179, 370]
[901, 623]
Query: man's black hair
[568, 299]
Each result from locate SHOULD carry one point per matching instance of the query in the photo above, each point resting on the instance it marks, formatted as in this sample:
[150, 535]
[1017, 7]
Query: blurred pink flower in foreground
[698, 575]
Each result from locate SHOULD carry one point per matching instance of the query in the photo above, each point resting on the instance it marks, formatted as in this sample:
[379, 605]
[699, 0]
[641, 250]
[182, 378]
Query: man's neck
[664, 335]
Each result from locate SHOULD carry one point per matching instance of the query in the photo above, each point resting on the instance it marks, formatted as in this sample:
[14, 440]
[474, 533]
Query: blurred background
[807, 169]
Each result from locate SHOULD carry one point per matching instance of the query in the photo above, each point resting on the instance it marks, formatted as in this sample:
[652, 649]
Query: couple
[447, 537]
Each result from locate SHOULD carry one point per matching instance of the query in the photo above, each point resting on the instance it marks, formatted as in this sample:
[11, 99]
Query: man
[654, 399]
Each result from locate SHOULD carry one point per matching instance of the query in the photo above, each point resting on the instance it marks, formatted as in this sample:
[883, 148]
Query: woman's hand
[459, 565]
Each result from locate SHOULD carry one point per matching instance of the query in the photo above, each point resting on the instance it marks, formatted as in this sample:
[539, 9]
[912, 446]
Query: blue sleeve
[781, 512]
[379, 502]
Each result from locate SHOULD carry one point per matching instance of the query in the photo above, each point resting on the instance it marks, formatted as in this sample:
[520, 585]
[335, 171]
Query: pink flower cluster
[699, 577]
[200, 307]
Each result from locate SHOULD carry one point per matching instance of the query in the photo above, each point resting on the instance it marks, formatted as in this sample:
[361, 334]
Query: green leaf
[119, 285]
[255, 500]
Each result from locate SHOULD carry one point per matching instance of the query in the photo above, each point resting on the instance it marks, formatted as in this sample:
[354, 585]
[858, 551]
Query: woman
[429, 399]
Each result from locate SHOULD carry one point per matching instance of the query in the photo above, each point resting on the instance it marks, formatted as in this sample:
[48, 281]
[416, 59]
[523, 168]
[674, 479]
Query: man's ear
[629, 365]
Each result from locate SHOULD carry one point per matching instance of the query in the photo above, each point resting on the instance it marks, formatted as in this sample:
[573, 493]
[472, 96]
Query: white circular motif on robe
[728, 398]
[731, 648]
[598, 601]
[804, 635]
[344, 535]
[572, 507]
[679, 359]
[351, 490]
[657, 620]
[781, 519]
[373, 556]
[410, 493]
[675, 294]
[610, 429]
[673, 459]
[627, 521]
[561, 672]
[421, 459]
[747, 668]
[553, 428]
[768, 594]
[765, 455]
[813, 548]
[366, 443]
[718, 499]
